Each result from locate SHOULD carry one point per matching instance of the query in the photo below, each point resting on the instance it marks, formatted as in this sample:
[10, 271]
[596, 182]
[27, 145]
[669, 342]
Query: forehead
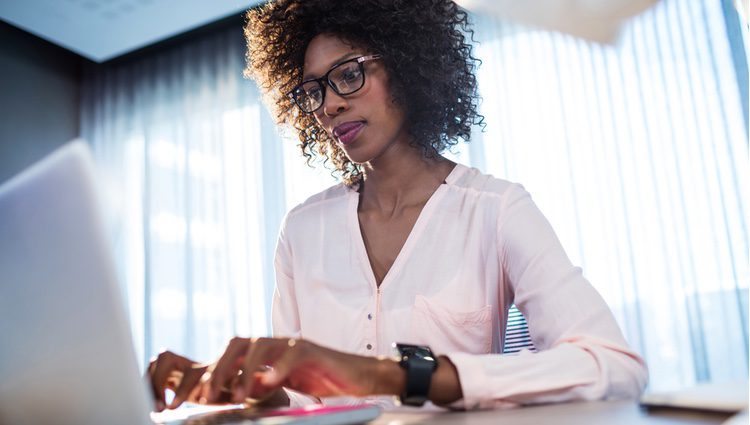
[323, 52]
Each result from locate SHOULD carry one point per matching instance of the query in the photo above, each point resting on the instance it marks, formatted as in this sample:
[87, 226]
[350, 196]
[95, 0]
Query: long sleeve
[582, 352]
[285, 312]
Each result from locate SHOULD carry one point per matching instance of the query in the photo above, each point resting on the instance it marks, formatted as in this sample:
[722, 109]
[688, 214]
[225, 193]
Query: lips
[347, 131]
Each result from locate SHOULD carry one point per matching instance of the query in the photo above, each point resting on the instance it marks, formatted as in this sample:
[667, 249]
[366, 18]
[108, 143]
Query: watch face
[418, 351]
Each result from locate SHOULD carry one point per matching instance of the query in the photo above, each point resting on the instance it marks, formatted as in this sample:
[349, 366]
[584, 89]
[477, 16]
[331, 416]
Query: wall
[39, 92]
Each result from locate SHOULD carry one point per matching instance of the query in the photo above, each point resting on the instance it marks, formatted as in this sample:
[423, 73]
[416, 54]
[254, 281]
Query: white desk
[607, 413]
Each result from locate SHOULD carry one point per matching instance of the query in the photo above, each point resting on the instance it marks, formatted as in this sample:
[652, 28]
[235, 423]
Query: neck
[402, 178]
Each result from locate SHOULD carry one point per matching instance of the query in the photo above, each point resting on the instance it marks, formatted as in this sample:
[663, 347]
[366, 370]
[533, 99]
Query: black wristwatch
[419, 364]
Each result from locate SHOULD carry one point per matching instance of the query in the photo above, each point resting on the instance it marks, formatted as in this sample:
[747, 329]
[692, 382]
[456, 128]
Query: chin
[358, 156]
[358, 159]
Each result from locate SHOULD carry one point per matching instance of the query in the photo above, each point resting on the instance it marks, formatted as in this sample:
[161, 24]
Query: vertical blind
[636, 153]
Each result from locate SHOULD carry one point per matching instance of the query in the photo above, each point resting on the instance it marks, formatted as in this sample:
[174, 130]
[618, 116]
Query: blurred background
[636, 151]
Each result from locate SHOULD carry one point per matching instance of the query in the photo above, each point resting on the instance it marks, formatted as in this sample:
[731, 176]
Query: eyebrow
[338, 61]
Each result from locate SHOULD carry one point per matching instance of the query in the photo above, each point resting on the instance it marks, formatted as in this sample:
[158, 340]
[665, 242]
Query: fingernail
[160, 405]
[268, 378]
[239, 394]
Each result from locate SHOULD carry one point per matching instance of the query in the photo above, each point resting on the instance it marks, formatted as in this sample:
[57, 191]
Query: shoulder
[472, 180]
[321, 204]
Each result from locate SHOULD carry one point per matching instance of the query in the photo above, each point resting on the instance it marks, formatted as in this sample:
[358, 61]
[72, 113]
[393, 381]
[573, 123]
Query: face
[366, 124]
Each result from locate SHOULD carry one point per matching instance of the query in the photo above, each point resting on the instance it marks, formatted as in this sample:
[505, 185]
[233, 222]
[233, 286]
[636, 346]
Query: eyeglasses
[344, 78]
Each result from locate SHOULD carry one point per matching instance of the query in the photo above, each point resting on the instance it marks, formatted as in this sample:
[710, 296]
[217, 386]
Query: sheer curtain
[197, 182]
[636, 153]
[638, 156]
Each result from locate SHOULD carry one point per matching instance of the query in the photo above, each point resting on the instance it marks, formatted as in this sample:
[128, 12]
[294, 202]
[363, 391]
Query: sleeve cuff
[475, 385]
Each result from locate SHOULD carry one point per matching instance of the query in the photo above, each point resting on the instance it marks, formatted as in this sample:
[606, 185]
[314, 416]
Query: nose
[334, 103]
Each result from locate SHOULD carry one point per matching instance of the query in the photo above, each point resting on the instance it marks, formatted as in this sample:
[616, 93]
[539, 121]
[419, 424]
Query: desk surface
[610, 413]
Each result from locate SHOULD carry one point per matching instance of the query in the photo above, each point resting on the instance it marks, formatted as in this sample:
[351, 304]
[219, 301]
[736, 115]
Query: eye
[346, 73]
[350, 74]
[312, 91]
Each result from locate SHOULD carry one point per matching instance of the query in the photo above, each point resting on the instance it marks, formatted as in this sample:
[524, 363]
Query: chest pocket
[446, 330]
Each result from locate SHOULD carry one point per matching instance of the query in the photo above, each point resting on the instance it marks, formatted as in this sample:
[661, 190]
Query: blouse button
[369, 346]
[369, 316]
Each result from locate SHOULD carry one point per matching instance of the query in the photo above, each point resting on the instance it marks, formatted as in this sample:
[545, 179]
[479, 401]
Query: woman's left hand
[307, 367]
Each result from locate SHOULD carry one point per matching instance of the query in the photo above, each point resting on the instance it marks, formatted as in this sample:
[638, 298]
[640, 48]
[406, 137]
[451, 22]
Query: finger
[190, 380]
[149, 376]
[160, 371]
[226, 368]
[200, 395]
[166, 362]
[195, 393]
[174, 379]
[262, 352]
[284, 365]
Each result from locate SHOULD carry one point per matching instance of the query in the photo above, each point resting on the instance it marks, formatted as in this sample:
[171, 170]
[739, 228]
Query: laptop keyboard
[218, 418]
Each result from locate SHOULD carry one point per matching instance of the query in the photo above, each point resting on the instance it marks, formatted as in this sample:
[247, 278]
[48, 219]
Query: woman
[411, 247]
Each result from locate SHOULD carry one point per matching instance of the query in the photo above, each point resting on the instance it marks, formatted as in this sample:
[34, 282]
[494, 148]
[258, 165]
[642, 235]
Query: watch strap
[419, 372]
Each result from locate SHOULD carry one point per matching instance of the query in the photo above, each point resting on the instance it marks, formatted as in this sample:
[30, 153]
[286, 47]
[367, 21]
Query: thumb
[274, 377]
[282, 368]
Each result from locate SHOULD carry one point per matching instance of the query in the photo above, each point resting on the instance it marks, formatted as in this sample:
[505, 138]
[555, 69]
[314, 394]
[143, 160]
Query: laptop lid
[66, 354]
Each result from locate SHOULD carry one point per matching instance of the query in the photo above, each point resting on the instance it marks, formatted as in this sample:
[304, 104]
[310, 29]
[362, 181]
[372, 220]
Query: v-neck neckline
[412, 237]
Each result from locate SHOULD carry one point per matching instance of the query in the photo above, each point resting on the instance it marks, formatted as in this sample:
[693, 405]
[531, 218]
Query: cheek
[387, 108]
[380, 94]
[391, 112]
[320, 120]
[318, 117]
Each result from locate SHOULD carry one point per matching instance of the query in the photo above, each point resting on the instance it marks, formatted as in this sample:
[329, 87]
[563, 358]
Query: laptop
[66, 353]
[726, 397]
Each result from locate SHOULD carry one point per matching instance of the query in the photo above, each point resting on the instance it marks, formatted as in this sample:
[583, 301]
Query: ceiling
[101, 30]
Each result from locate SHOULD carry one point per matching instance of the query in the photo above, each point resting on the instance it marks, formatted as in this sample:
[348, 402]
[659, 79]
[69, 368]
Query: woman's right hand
[207, 383]
[183, 376]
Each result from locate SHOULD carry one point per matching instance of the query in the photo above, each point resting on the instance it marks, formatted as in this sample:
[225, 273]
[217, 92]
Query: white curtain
[637, 153]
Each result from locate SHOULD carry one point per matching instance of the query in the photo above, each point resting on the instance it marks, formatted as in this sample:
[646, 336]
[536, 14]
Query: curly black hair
[425, 52]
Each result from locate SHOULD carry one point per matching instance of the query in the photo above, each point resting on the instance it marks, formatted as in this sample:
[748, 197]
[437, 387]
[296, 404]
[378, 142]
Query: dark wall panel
[39, 90]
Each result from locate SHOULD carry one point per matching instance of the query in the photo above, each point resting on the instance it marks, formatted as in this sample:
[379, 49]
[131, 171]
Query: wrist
[446, 385]
[390, 377]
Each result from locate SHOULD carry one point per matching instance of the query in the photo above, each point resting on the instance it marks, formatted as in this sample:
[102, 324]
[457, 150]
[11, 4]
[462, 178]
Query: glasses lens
[347, 78]
[309, 96]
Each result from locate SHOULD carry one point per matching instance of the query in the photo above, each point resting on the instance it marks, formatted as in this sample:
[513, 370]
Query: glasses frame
[325, 81]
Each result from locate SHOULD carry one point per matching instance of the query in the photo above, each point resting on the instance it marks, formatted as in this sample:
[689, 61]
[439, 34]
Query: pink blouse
[479, 245]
